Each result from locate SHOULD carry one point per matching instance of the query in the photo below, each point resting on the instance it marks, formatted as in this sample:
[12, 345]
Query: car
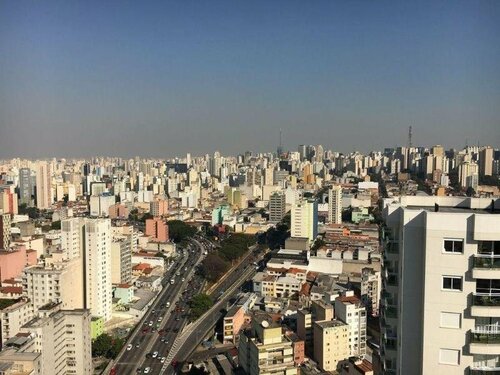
[137, 345]
[150, 323]
[162, 360]
[153, 312]
[177, 319]
[167, 304]
[147, 370]
[129, 346]
[155, 354]
[145, 330]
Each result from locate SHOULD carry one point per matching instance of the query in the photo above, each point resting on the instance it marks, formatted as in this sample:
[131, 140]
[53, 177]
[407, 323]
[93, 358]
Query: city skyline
[163, 79]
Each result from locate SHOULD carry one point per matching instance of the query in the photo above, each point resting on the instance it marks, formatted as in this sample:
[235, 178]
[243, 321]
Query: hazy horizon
[162, 79]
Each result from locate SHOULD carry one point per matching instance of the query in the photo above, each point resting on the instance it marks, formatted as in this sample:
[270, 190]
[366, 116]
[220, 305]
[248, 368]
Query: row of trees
[179, 231]
[217, 264]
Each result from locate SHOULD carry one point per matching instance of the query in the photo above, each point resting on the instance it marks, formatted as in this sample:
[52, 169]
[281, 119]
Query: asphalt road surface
[161, 324]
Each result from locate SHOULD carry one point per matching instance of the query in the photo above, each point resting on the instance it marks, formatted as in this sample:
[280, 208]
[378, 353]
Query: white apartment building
[72, 237]
[44, 193]
[441, 286]
[97, 267]
[59, 282]
[63, 339]
[371, 286]
[331, 343]
[275, 286]
[304, 220]
[121, 260]
[335, 204]
[350, 310]
[13, 317]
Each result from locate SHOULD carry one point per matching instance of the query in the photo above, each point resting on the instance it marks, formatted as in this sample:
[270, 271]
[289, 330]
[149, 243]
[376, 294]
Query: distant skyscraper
[335, 204]
[44, 196]
[25, 186]
[486, 162]
[277, 207]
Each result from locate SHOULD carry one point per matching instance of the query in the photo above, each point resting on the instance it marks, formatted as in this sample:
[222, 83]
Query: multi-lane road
[225, 292]
[150, 348]
[162, 323]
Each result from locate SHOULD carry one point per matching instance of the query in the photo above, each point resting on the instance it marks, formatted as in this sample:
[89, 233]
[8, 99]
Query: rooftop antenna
[409, 137]
[280, 147]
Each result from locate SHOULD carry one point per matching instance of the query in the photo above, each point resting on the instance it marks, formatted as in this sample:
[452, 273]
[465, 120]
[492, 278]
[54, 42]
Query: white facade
[97, 271]
[304, 220]
[450, 323]
[44, 193]
[335, 204]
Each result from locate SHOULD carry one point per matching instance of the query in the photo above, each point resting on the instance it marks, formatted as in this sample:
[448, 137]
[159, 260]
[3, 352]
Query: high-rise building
[25, 186]
[72, 237]
[264, 349]
[157, 228]
[59, 282]
[121, 260]
[371, 286]
[468, 174]
[44, 194]
[8, 202]
[350, 310]
[277, 206]
[97, 267]
[441, 302]
[4, 230]
[63, 339]
[486, 162]
[335, 204]
[331, 343]
[158, 207]
[304, 220]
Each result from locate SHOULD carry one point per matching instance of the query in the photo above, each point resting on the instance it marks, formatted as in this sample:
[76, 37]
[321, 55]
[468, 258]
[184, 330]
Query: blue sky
[165, 78]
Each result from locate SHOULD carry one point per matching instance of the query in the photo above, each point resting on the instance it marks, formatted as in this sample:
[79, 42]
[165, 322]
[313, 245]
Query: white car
[147, 369]
[129, 346]
[155, 354]
[162, 360]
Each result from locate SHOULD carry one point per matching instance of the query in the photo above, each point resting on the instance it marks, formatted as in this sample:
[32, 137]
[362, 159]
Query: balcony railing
[484, 371]
[487, 261]
[480, 299]
[484, 338]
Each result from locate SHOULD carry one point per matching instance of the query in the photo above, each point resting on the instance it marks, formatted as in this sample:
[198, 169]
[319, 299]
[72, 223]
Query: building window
[449, 356]
[450, 320]
[454, 246]
[452, 283]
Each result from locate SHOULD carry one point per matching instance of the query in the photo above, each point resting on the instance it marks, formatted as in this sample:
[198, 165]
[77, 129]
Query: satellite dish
[265, 323]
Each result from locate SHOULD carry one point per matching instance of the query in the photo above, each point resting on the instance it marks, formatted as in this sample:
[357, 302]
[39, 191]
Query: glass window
[454, 246]
[452, 282]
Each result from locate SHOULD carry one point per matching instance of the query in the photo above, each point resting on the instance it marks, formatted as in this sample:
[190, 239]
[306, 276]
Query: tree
[213, 267]
[106, 346]
[101, 345]
[199, 304]
[56, 225]
[180, 231]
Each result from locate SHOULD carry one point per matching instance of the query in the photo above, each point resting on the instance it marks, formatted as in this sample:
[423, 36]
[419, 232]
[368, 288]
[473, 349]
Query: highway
[196, 332]
[162, 323]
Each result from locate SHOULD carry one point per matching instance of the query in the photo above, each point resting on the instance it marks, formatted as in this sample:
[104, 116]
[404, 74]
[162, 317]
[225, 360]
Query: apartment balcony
[483, 342]
[484, 370]
[485, 305]
[486, 267]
